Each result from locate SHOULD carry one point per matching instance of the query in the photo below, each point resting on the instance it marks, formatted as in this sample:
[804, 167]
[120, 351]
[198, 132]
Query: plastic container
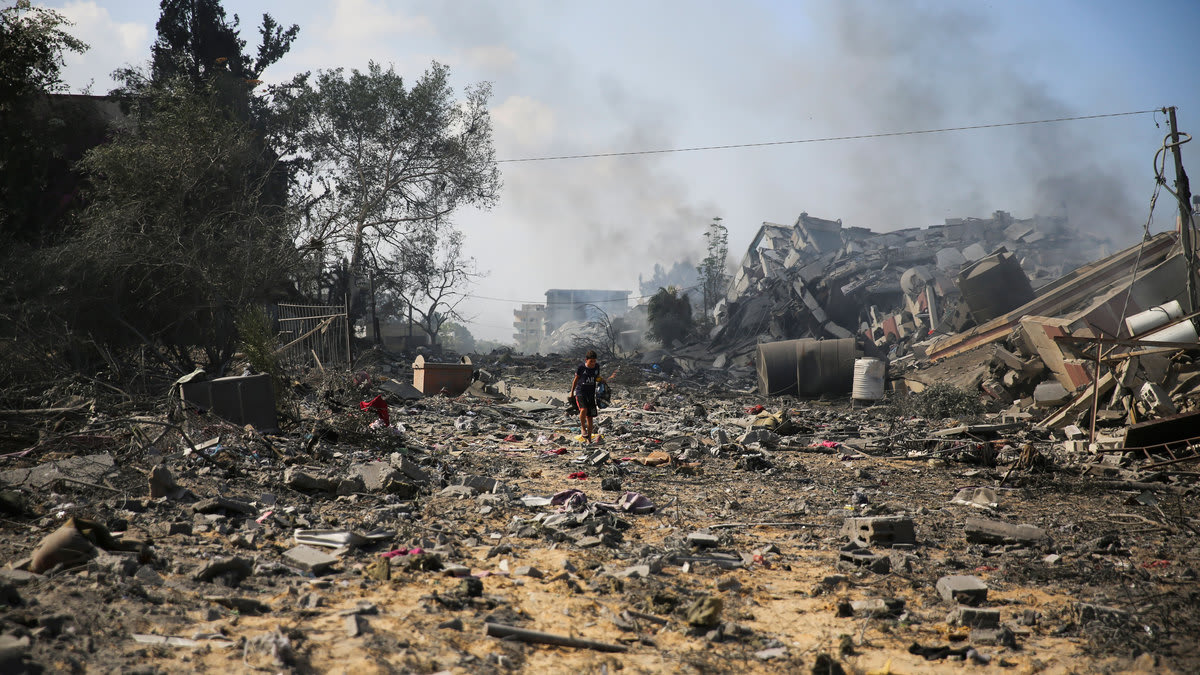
[868, 379]
[1153, 317]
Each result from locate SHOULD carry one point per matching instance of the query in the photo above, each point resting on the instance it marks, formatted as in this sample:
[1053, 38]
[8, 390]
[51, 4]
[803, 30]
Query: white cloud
[363, 21]
[113, 44]
[523, 122]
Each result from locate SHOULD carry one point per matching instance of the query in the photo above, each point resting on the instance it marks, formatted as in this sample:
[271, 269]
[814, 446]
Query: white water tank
[1153, 317]
[868, 379]
[1184, 331]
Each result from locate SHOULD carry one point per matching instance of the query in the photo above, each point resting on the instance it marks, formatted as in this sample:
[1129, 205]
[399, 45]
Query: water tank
[806, 367]
[868, 380]
[1153, 317]
[1184, 331]
[993, 286]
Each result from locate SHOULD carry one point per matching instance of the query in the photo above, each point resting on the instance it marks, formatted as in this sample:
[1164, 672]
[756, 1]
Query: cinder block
[963, 590]
[880, 531]
[974, 617]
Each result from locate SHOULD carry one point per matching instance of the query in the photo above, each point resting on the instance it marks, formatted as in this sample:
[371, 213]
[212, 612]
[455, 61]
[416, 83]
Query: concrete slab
[310, 559]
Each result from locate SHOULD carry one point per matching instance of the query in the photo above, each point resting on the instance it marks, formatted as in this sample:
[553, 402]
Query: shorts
[587, 403]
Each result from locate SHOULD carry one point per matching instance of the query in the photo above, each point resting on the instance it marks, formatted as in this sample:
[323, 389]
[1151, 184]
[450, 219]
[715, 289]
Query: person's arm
[574, 383]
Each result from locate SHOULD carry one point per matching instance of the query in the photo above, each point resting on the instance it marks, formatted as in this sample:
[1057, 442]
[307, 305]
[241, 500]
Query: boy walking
[583, 388]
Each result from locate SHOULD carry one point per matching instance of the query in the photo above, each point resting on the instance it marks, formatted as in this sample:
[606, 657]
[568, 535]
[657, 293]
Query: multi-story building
[530, 322]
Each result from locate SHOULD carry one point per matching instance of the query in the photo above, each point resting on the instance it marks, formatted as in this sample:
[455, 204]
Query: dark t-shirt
[587, 380]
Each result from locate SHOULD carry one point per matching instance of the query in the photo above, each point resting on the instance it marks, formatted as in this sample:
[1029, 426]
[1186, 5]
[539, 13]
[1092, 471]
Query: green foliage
[389, 162]
[257, 339]
[35, 136]
[670, 316]
[942, 401]
[197, 42]
[177, 234]
[712, 269]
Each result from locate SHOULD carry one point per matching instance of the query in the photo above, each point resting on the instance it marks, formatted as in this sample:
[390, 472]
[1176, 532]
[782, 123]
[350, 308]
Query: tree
[178, 236]
[457, 337]
[429, 273]
[712, 269]
[387, 162]
[197, 42]
[601, 334]
[670, 316]
[34, 136]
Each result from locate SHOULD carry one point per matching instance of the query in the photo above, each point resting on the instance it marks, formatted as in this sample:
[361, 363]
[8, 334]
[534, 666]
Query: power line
[827, 139]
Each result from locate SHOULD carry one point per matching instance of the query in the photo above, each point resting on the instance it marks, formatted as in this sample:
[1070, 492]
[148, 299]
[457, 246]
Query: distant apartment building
[563, 305]
[530, 322]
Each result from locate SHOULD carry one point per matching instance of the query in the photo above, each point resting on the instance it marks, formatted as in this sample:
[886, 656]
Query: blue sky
[575, 78]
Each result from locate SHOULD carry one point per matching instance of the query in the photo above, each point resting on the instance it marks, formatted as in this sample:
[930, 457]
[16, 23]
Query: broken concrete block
[873, 607]
[981, 531]
[310, 559]
[880, 531]
[962, 589]
[476, 483]
[879, 564]
[1156, 399]
[974, 617]
[1050, 395]
[299, 479]
[409, 468]
[703, 540]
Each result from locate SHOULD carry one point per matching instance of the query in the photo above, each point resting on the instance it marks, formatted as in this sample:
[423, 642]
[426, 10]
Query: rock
[227, 571]
[470, 587]
[981, 531]
[703, 540]
[16, 577]
[528, 571]
[268, 651]
[301, 480]
[453, 624]
[355, 625]
[705, 612]
[162, 484]
[379, 569]
[226, 504]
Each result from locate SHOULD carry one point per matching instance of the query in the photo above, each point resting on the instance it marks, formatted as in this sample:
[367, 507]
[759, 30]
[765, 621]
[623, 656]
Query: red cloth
[379, 406]
[579, 475]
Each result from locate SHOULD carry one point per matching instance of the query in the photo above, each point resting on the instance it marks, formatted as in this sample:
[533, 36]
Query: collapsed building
[1032, 314]
[820, 279]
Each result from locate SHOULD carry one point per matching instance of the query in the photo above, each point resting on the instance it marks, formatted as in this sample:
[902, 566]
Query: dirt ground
[1112, 588]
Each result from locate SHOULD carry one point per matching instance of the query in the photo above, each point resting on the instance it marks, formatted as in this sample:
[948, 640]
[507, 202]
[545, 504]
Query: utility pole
[1183, 192]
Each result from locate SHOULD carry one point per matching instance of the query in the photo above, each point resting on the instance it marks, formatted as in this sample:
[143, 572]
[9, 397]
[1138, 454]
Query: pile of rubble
[359, 524]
